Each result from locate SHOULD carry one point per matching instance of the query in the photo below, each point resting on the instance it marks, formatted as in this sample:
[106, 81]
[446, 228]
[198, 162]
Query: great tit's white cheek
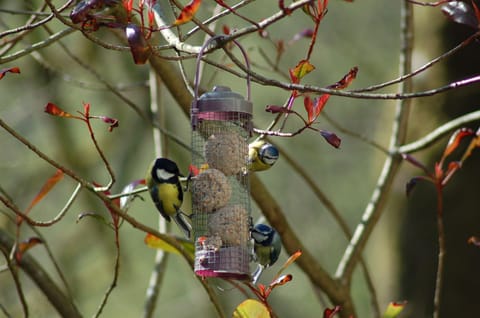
[163, 174]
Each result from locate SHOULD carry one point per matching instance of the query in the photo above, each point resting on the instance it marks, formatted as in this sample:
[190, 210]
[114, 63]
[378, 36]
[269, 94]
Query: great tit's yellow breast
[169, 196]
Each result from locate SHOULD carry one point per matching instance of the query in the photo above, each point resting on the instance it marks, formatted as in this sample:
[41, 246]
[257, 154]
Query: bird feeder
[221, 126]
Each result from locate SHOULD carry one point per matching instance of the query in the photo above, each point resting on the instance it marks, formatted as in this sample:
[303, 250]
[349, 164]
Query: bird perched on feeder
[166, 191]
[267, 247]
[261, 155]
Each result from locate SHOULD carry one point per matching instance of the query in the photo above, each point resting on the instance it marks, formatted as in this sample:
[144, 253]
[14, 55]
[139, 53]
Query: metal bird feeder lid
[222, 99]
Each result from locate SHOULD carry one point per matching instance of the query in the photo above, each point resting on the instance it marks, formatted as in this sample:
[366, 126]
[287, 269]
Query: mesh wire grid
[220, 194]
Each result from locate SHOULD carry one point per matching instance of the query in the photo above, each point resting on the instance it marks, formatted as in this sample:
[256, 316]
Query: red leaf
[128, 4]
[51, 182]
[329, 313]
[188, 12]
[314, 108]
[455, 140]
[112, 121]
[331, 138]
[25, 246]
[346, 80]
[54, 110]
[139, 46]
[9, 70]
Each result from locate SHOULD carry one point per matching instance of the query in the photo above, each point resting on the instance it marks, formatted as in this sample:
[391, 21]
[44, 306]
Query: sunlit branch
[439, 132]
[391, 165]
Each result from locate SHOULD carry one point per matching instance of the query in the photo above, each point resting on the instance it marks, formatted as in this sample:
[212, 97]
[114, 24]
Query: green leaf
[251, 308]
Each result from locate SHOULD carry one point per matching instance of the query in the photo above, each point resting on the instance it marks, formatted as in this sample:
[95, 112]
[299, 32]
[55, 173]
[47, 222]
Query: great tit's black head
[164, 170]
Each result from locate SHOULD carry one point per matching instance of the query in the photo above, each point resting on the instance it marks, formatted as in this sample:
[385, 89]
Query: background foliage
[401, 252]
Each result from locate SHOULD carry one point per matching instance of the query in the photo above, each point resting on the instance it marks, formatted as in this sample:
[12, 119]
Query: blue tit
[261, 155]
[166, 191]
[267, 247]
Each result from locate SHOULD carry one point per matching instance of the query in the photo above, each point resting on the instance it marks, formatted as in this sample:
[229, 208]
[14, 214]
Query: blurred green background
[362, 33]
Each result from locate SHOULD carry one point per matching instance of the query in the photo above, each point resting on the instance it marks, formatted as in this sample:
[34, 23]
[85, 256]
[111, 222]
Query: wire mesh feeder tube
[221, 125]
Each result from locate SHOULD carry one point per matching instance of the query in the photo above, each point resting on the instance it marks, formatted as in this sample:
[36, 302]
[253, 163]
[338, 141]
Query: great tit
[166, 191]
[261, 155]
[267, 247]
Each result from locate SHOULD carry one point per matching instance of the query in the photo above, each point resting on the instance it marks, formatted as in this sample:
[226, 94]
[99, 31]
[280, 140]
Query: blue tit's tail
[183, 224]
[256, 274]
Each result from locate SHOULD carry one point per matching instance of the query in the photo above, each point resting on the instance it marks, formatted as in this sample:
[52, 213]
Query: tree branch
[35, 271]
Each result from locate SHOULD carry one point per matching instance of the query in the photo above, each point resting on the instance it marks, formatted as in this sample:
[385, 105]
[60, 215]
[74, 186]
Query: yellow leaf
[251, 308]
[155, 242]
[394, 309]
[303, 68]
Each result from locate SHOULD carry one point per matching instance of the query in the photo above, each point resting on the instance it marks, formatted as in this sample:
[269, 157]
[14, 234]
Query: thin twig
[441, 252]
[37, 46]
[13, 270]
[424, 67]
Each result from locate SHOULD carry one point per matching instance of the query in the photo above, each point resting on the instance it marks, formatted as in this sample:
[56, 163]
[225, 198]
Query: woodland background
[400, 254]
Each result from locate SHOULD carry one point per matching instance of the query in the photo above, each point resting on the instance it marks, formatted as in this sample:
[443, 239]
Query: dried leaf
[394, 308]
[331, 138]
[9, 70]
[303, 68]
[461, 12]
[346, 80]
[54, 110]
[188, 12]
[251, 308]
[139, 46]
[278, 109]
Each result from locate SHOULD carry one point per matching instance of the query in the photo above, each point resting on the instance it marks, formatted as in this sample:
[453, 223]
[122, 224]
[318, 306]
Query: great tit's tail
[183, 224]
